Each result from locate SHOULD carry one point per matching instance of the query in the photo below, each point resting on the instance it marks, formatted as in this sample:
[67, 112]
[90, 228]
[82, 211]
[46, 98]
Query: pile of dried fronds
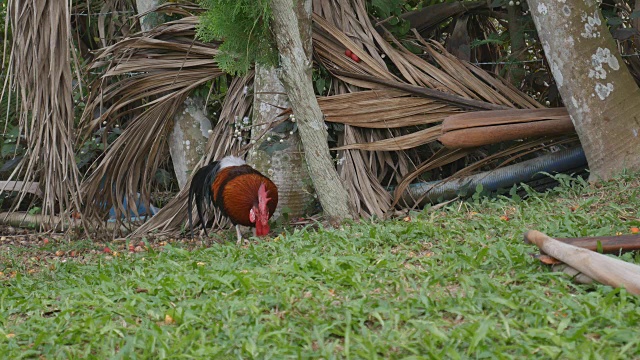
[43, 78]
[146, 80]
[391, 126]
[391, 102]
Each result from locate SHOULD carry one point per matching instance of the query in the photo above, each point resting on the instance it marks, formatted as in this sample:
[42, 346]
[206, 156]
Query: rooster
[239, 191]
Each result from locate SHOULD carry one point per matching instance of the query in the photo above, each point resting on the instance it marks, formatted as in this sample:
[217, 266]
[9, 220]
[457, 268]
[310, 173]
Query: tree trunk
[296, 77]
[278, 153]
[596, 86]
[635, 23]
[150, 20]
[518, 45]
[188, 139]
[191, 124]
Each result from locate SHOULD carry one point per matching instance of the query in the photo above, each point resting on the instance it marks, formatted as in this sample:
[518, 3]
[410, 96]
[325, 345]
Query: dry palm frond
[460, 101]
[98, 24]
[441, 158]
[362, 172]
[383, 109]
[152, 75]
[237, 105]
[450, 85]
[40, 67]
[490, 127]
[396, 143]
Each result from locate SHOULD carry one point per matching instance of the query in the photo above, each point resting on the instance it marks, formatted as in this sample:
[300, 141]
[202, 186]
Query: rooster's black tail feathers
[200, 189]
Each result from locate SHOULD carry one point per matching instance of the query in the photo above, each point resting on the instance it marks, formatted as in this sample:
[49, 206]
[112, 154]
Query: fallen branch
[36, 221]
[604, 269]
[608, 244]
[479, 128]
[33, 188]
[604, 244]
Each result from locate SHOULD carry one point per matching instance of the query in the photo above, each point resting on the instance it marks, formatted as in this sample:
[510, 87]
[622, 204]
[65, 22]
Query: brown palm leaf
[146, 80]
[362, 172]
[40, 67]
[452, 86]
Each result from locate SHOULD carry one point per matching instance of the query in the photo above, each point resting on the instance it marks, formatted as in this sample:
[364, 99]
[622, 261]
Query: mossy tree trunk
[288, 24]
[595, 84]
[278, 153]
[190, 129]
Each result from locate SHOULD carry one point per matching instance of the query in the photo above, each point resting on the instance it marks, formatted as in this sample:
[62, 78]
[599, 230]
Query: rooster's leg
[239, 235]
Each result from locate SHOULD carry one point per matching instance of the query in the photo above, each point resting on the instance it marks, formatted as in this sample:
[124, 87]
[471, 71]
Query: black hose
[443, 190]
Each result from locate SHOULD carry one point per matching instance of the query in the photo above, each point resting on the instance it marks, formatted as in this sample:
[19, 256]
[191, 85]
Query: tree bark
[596, 86]
[518, 45]
[188, 138]
[278, 153]
[635, 23]
[288, 23]
[191, 124]
[150, 20]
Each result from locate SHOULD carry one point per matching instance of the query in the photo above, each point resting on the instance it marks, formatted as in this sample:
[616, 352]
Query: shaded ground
[35, 249]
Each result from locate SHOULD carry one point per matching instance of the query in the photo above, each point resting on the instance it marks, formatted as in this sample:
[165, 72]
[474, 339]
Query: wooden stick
[29, 221]
[610, 244]
[33, 187]
[602, 268]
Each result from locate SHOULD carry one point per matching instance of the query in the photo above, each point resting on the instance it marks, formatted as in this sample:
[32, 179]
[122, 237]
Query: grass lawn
[456, 282]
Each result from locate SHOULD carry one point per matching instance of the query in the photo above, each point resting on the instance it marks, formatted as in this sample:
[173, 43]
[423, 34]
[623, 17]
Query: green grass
[456, 282]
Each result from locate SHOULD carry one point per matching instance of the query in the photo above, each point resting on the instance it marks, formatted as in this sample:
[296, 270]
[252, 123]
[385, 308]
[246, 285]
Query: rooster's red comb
[263, 199]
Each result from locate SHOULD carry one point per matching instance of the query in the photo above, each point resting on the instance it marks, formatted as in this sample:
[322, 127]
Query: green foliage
[500, 39]
[3, 21]
[453, 283]
[244, 27]
[389, 11]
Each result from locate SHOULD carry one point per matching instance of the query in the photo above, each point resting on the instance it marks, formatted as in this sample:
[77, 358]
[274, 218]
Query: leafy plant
[243, 26]
[388, 13]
